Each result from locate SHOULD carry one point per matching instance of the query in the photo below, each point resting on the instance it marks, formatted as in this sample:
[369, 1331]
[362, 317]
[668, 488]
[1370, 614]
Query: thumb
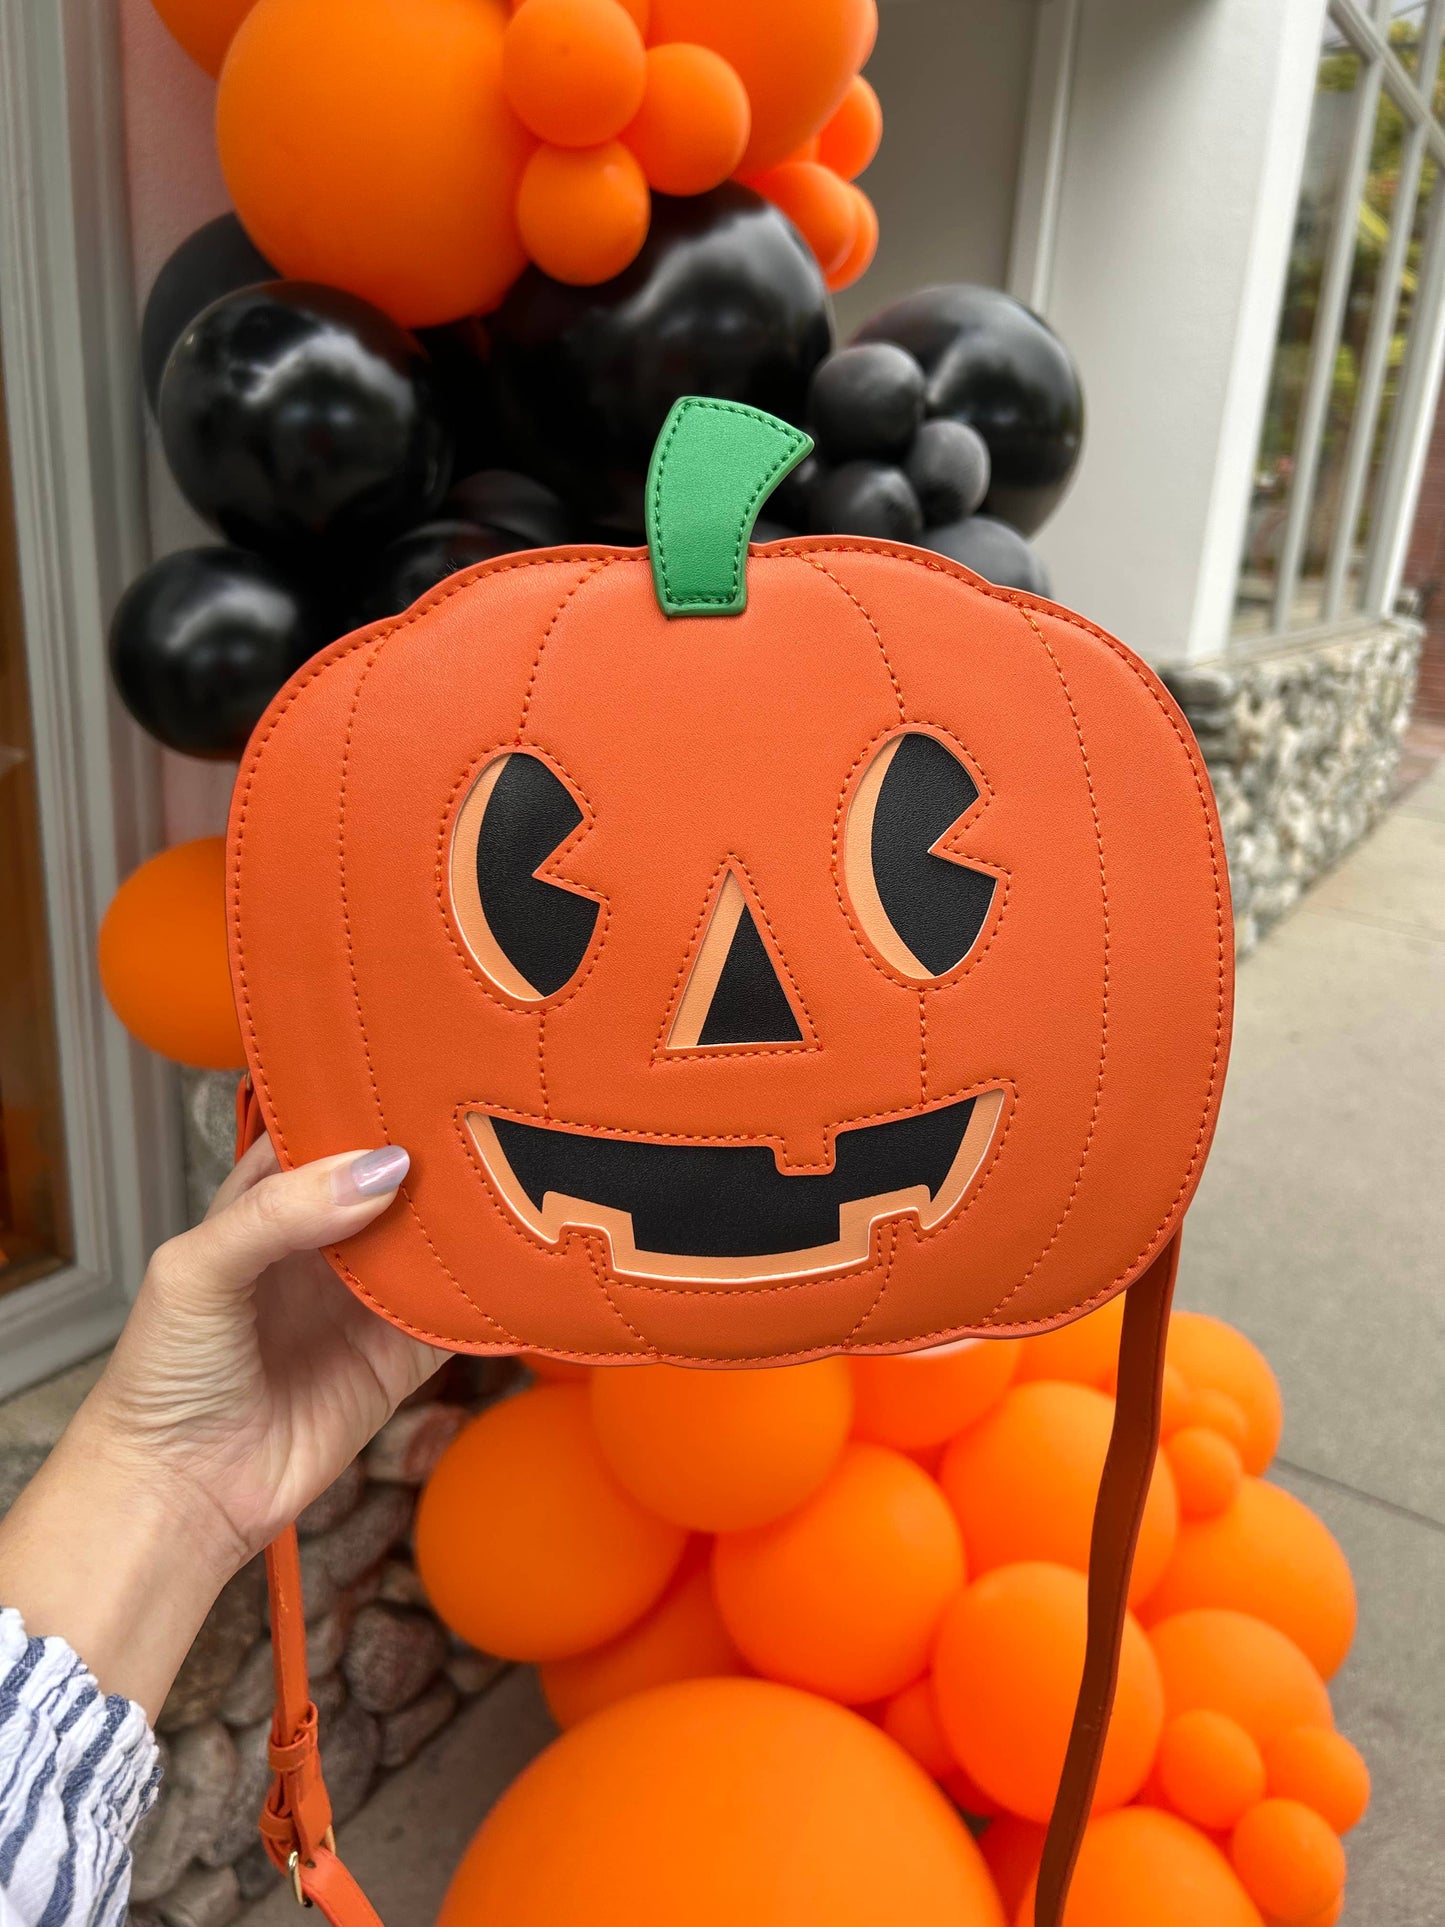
[316, 1204]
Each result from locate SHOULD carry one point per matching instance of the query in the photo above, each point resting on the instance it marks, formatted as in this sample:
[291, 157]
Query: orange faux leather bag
[762, 953]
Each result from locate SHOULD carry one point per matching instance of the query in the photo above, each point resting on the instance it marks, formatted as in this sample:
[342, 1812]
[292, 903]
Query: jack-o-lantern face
[848, 969]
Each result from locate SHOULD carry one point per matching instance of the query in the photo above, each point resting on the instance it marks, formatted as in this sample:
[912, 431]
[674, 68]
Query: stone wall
[1303, 745]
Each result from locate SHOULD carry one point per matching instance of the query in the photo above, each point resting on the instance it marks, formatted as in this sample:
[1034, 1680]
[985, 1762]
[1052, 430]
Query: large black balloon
[993, 550]
[992, 363]
[201, 643]
[217, 259]
[499, 498]
[724, 299]
[418, 561]
[300, 420]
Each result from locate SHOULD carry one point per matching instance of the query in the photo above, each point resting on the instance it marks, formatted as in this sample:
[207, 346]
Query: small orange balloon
[162, 957]
[860, 256]
[205, 28]
[1085, 1351]
[1216, 1357]
[920, 1399]
[795, 57]
[1290, 1862]
[722, 1803]
[1012, 1849]
[1207, 1468]
[844, 1595]
[1240, 1666]
[368, 145]
[1209, 1769]
[850, 140]
[1175, 1400]
[555, 1371]
[911, 1719]
[526, 1544]
[1006, 1672]
[1216, 1411]
[683, 1637]
[583, 211]
[1323, 1770]
[1266, 1554]
[573, 70]
[1142, 1868]
[966, 1794]
[722, 1451]
[692, 126]
[817, 203]
[1024, 1480]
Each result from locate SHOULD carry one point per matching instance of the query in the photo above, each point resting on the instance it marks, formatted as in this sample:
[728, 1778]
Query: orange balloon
[1142, 1868]
[640, 11]
[795, 57]
[716, 1803]
[683, 1637]
[819, 206]
[920, 1399]
[911, 1719]
[205, 28]
[1006, 1672]
[1086, 1351]
[583, 211]
[1216, 1357]
[162, 957]
[1292, 1865]
[721, 1451]
[1215, 1411]
[844, 1595]
[555, 1371]
[1240, 1666]
[850, 140]
[1266, 1554]
[1323, 1770]
[574, 70]
[966, 1793]
[1023, 1484]
[526, 1544]
[693, 124]
[1209, 1769]
[860, 256]
[1207, 1468]
[1012, 1849]
[368, 145]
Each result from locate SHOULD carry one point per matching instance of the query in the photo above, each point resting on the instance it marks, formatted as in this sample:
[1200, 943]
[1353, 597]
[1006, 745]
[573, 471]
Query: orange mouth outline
[559, 1212]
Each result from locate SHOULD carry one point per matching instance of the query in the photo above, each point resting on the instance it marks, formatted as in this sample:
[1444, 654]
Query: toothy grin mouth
[726, 1210]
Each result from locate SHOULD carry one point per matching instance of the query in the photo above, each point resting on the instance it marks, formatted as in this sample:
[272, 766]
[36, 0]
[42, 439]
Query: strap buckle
[293, 1866]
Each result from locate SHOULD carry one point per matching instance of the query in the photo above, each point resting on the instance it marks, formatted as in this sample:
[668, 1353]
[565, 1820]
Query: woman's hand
[246, 1378]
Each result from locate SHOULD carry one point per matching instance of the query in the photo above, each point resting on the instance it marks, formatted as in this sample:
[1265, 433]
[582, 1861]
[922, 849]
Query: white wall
[1181, 160]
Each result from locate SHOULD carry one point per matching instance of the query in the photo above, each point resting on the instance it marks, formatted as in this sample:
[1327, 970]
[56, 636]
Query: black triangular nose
[733, 995]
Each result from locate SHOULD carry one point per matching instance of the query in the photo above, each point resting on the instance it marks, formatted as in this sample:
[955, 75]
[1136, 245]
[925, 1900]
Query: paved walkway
[1320, 1231]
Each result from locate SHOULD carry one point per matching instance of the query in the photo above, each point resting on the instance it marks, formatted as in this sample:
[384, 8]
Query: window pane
[1404, 21]
[34, 1215]
[1326, 157]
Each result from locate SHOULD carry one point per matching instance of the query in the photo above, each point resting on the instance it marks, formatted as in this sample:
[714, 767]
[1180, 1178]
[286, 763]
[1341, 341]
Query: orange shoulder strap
[296, 1819]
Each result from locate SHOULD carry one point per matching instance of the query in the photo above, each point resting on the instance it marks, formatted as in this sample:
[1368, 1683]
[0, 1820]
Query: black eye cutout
[923, 913]
[529, 935]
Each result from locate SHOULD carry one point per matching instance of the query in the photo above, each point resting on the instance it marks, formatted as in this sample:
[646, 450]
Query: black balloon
[217, 259]
[948, 467]
[499, 498]
[418, 561]
[300, 420]
[991, 362]
[993, 550]
[765, 529]
[461, 370]
[201, 643]
[866, 498]
[866, 402]
[791, 502]
[724, 299]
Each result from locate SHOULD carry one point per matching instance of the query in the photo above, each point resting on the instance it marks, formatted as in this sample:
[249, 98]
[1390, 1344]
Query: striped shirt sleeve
[78, 1770]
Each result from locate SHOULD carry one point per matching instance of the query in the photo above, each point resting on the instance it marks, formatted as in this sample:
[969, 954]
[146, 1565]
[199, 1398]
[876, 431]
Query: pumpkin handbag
[762, 953]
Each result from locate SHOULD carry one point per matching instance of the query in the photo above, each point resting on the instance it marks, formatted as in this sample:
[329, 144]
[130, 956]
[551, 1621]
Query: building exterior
[1231, 211]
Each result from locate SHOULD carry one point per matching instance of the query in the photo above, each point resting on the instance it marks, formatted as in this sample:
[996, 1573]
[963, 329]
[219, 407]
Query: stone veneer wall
[1303, 744]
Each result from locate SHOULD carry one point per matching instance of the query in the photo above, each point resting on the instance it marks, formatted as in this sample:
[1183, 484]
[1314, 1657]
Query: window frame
[68, 335]
[1365, 32]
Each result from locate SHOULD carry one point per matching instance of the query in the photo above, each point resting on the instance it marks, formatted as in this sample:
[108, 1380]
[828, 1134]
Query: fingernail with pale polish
[371, 1175]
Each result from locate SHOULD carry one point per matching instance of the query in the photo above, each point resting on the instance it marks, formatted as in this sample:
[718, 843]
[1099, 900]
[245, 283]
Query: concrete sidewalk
[1320, 1231]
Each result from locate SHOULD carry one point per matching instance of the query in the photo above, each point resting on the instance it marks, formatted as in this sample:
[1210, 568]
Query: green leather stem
[715, 464]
